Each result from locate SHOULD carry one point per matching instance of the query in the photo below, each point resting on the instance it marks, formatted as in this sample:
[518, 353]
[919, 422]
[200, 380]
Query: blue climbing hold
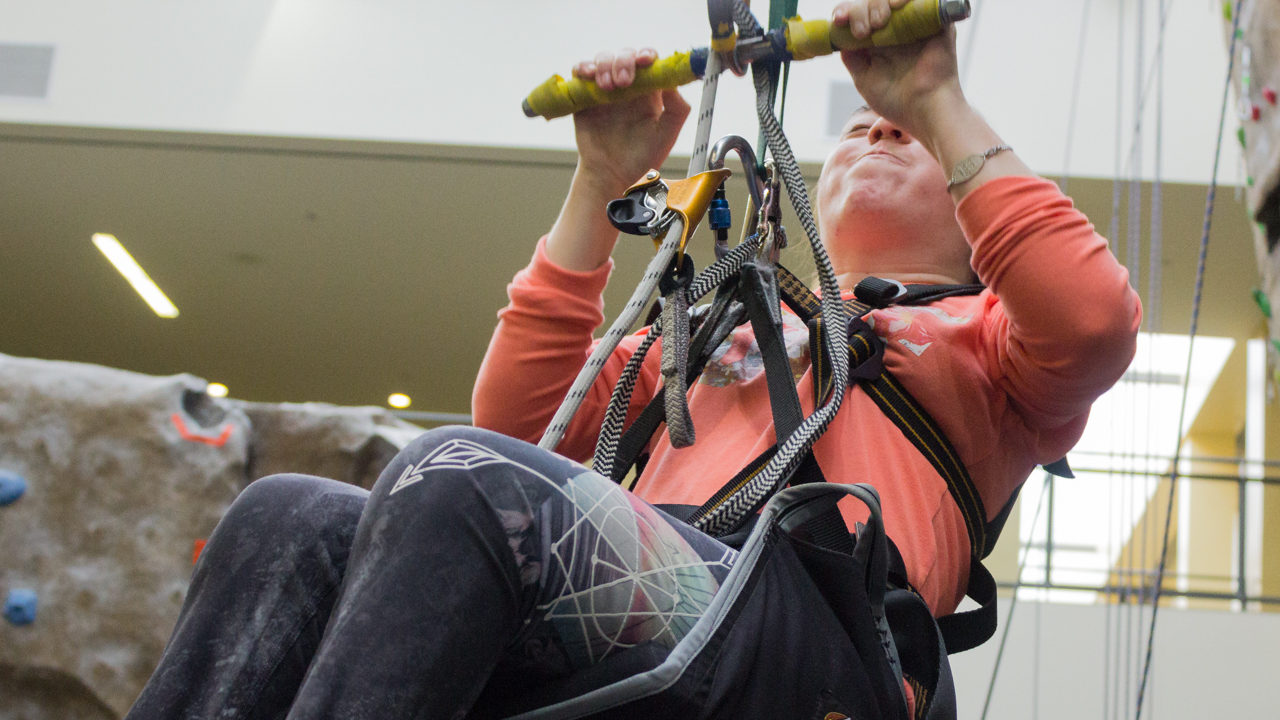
[20, 606]
[12, 486]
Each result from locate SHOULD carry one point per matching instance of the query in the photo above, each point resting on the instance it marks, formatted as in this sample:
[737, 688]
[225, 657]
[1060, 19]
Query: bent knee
[293, 503]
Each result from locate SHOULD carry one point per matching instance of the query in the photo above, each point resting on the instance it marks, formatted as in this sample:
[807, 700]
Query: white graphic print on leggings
[613, 572]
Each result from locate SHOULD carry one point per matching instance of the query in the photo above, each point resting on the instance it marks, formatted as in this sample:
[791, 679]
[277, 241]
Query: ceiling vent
[843, 100]
[24, 71]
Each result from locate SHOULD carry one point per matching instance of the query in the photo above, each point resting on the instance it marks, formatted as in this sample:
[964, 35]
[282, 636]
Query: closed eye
[858, 129]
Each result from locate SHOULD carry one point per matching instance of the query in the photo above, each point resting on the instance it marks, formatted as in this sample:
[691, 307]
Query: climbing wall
[1257, 80]
[107, 481]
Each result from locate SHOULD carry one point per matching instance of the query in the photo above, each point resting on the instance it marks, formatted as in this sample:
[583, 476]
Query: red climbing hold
[1270, 95]
[1256, 113]
[214, 440]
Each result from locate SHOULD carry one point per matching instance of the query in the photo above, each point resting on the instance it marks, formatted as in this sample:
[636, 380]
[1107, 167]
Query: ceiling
[343, 271]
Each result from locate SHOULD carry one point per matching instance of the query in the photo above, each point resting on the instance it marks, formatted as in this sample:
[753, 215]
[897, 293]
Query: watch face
[967, 168]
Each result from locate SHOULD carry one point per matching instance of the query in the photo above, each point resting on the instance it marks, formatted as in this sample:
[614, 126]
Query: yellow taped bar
[724, 38]
[915, 21]
[808, 38]
[558, 97]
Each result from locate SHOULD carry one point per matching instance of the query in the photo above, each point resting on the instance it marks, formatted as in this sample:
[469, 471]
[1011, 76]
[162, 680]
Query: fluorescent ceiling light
[134, 273]
[399, 401]
[216, 390]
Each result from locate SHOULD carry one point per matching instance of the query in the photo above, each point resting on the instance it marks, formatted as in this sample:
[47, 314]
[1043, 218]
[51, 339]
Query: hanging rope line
[1186, 379]
[1008, 618]
[1075, 96]
[967, 60]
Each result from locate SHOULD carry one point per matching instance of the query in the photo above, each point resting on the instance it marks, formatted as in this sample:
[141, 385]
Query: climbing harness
[755, 510]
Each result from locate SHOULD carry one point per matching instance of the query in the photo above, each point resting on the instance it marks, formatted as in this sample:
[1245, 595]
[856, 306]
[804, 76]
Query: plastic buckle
[877, 292]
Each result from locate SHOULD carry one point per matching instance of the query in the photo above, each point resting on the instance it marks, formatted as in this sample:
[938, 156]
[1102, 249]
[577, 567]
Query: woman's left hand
[910, 85]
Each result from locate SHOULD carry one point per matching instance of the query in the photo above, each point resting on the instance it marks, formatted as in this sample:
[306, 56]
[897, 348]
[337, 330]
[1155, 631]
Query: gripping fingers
[604, 71]
[878, 13]
[624, 68]
[855, 15]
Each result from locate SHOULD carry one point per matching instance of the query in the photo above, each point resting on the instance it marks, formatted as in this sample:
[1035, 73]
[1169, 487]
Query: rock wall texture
[124, 473]
[1256, 77]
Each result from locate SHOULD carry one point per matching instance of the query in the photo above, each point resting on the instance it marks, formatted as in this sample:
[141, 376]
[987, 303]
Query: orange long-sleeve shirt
[1009, 375]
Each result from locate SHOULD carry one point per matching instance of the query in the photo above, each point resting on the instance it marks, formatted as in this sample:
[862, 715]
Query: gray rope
[1186, 378]
[1008, 618]
[1075, 96]
[591, 370]
[675, 367]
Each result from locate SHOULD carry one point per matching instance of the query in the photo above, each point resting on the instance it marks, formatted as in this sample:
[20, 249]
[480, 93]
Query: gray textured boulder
[125, 472]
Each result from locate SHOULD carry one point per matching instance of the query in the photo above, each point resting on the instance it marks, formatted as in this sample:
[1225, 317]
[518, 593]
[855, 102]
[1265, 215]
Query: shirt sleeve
[1064, 326]
[543, 338]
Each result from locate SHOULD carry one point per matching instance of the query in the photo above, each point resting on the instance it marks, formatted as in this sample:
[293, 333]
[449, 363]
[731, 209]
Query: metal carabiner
[739, 144]
[770, 216]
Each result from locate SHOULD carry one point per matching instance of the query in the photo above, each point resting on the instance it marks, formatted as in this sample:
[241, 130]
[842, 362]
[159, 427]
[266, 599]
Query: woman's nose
[886, 130]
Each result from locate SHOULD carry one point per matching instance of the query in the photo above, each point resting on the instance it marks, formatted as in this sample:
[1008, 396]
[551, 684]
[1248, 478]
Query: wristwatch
[967, 168]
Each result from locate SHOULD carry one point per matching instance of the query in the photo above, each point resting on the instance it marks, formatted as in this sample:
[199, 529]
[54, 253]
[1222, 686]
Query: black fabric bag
[797, 631]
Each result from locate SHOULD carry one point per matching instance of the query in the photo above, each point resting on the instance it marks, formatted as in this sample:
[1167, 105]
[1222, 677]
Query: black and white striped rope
[709, 279]
[734, 511]
[591, 370]
[675, 365]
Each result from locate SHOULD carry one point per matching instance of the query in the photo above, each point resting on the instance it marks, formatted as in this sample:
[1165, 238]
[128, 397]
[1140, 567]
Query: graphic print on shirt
[738, 358]
[910, 326]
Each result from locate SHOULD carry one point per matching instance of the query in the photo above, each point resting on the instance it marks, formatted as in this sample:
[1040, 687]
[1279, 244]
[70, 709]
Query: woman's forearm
[954, 130]
[582, 238]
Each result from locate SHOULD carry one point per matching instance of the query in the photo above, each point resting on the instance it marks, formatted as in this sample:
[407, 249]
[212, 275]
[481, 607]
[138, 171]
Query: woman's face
[879, 185]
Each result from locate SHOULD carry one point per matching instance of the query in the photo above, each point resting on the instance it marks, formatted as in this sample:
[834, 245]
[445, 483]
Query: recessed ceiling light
[136, 276]
[398, 401]
[216, 389]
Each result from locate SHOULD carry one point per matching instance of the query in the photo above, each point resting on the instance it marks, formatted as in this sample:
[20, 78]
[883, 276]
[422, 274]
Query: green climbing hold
[1249, 181]
[1226, 10]
[1240, 136]
[1276, 344]
[1264, 304]
[1239, 33]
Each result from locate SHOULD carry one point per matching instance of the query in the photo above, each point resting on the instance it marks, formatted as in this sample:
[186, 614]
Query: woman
[481, 566]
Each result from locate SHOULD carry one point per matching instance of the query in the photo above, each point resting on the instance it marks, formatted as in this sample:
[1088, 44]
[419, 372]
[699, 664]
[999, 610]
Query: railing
[1137, 584]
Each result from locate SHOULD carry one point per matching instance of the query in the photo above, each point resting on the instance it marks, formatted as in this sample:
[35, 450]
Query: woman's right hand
[619, 142]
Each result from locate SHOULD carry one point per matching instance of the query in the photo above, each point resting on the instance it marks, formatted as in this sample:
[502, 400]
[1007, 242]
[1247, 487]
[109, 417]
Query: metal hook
[739, 144]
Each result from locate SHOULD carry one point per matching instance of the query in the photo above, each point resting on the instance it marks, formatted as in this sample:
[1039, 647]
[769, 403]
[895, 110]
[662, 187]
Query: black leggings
[476, 559]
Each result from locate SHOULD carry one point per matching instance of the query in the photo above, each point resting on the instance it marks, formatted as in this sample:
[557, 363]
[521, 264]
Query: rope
[640, 298]
[591, 370]
[966, 62]
[1008, 618]
[675, 361]
[792, 450]
[1075, 95]
[709, 279]
[1186, 380]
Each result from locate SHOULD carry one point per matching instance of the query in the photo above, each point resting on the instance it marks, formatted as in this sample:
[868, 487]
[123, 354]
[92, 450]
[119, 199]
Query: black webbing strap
[759, 293]
[893, 399]
[967, 630]
[960, 631]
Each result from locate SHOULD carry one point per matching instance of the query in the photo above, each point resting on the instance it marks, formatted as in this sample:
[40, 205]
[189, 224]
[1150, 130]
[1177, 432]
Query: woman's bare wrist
[582, 238]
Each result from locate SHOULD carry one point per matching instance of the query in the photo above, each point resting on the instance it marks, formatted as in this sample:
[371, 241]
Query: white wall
[1206, 665]
[428, 71]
